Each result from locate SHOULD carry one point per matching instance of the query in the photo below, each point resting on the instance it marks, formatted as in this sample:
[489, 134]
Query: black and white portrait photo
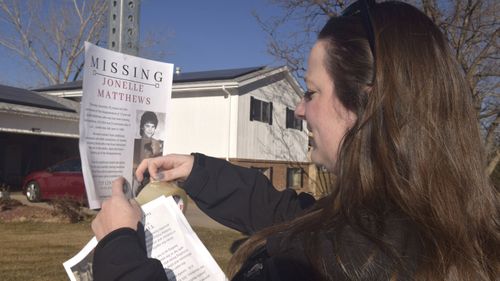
[148, 143]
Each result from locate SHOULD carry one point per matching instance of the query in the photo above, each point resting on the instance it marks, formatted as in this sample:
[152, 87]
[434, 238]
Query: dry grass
[36, 250]
[218, 243]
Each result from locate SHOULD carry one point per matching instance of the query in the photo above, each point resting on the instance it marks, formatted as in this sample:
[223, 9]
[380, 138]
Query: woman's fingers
[150, 164]
[96, 227]
[116, 212]
[117, 187]
[169, 175]
[135, 205]
[166, 168]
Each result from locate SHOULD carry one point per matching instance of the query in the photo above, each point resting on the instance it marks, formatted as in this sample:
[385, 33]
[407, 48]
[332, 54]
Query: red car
[64, 179]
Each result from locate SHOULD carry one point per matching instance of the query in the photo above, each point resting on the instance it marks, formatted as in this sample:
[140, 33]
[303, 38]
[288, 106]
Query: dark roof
[74, 85]
[20, 96]
[211, 75]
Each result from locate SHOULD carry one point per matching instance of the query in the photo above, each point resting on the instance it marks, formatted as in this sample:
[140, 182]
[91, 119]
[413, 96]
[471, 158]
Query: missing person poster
[123, 117]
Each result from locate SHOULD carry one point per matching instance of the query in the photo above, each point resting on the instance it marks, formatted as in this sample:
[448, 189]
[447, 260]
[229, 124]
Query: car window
[76, 166]
[60, 167]
[73, 165]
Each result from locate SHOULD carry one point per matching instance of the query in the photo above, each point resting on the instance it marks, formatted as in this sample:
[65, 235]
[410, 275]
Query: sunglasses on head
[362, 8]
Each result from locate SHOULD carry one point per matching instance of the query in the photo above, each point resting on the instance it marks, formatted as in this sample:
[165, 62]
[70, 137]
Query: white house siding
[204, 118]
[234, 121]
[199, 122]
[258, 140]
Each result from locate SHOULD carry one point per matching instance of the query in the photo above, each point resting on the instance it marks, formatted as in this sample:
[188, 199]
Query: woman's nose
[300, 110]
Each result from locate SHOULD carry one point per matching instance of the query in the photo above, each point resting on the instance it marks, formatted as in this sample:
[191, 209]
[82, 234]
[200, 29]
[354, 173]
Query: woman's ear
[351, 117]
[367, 89]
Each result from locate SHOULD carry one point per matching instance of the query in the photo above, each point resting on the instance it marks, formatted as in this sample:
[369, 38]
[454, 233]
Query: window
[294, 178]
[261, 111]
[73, 165]
[292, 121]
[267, 171]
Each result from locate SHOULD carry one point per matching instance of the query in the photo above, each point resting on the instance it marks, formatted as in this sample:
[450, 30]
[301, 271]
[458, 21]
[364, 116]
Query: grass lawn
[36, 250]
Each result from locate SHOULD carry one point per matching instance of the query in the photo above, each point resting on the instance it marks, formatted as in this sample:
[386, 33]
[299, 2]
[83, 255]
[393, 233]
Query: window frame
[291, 121]
[266, 171]
[289, 180]
[261, 111]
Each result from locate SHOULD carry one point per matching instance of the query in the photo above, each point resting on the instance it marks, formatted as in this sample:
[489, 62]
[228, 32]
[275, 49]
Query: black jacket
[245, 200]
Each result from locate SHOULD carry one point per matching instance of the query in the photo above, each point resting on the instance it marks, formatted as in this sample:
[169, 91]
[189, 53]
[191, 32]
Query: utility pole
[124, 26]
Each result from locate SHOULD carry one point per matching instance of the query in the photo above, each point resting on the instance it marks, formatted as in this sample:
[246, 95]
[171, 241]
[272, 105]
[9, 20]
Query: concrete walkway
[193, 214]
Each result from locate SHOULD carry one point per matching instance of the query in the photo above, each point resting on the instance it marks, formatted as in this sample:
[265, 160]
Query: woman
[147, 146]
[391, 116]
[149, 121]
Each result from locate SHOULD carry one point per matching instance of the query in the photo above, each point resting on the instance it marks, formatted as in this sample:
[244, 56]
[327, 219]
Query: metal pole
[124, 26]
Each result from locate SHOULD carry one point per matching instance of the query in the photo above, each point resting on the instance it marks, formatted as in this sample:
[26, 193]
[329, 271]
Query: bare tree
[50, 35]
[473, 29]
[471, 26]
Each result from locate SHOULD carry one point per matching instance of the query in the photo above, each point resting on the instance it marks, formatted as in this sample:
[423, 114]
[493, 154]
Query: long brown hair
[416, 146]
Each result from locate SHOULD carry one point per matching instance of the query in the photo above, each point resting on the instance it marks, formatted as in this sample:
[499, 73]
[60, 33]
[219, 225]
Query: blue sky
[195, 35]
[209, 34]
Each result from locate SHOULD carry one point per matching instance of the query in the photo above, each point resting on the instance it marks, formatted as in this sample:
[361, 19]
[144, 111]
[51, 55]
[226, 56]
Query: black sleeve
[121, 255]
[240, 198]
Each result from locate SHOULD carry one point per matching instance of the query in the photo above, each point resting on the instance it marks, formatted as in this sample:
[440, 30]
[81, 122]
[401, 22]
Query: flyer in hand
[123, 117]
[169, 238]
[123, 120]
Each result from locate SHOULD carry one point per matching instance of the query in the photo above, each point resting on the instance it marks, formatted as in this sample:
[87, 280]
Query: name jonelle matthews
[109, 70]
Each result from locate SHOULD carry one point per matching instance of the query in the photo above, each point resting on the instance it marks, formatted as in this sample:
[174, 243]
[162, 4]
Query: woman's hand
[166, 168]
[116, 212]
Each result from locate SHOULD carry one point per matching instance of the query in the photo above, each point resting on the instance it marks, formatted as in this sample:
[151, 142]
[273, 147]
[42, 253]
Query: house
[36, 130]
[243, 115]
